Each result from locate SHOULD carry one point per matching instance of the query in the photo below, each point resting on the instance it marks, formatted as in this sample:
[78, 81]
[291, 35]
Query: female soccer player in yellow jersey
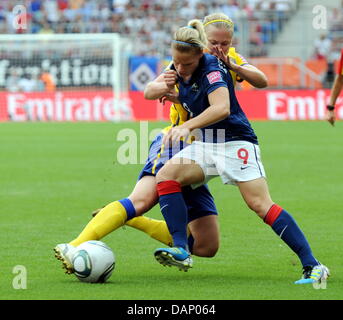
[203, 226]
[219, 31]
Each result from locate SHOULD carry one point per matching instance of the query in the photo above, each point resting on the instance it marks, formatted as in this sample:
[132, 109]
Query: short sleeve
[214, 80]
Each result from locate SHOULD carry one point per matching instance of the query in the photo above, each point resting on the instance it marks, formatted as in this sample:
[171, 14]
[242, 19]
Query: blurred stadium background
[65, 60]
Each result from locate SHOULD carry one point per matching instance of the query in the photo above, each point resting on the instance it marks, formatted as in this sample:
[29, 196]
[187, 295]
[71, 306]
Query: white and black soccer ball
[93, 261]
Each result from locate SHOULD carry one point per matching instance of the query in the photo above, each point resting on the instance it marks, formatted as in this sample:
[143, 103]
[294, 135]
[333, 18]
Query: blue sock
[130, 209]
[174, 211]
[287, 229]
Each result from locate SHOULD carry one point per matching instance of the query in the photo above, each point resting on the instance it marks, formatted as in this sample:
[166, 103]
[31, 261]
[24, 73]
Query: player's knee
[206, 250]
[258, 206]
[161, 176]
[166, 174]
[211, 252]
[141, 205]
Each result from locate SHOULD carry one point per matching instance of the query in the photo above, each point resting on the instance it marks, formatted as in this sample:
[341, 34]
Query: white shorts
[233, 161]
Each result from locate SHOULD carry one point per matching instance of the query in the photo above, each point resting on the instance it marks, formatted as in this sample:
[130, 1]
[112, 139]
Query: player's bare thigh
[144, 195]
[184, 171]
[256, 195]
[205, 231]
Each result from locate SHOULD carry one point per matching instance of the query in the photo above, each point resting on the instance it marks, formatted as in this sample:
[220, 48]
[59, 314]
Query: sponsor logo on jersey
[214, 77]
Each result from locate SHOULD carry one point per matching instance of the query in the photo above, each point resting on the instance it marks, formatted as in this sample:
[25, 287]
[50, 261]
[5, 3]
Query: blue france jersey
[209, 76]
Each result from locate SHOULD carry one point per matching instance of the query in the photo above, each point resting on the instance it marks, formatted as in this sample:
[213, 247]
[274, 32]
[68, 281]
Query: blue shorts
[199, 201]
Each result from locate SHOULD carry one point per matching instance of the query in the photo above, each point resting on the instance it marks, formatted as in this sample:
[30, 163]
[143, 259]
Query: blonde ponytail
[190, 38]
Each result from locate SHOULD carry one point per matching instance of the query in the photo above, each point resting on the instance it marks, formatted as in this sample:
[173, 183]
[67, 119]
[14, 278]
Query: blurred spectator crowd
[257, 22]
[151, 21]
[329, 44]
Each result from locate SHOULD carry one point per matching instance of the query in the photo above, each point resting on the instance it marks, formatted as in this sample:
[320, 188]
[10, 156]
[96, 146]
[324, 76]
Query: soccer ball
[93, 261]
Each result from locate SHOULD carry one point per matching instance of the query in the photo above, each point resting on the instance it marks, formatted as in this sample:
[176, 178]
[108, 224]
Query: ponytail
[190, 38]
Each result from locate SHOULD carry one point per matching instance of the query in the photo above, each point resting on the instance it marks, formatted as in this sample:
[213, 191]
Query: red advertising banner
[79, 106]
[287, 104]
[100, 106]
[61, 106]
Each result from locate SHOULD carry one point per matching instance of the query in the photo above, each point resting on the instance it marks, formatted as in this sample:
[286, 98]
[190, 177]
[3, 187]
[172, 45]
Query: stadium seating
[152, 21]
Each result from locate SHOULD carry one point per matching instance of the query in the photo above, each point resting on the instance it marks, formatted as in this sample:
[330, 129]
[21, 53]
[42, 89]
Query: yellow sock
[156, 229]
[109, 218]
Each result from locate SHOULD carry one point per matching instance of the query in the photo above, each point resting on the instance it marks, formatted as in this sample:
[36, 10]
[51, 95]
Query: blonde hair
[190, 38]
[219, 20]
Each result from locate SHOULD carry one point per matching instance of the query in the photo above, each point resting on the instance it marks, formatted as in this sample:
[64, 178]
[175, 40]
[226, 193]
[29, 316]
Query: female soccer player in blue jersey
[203, 236]
[227, 147]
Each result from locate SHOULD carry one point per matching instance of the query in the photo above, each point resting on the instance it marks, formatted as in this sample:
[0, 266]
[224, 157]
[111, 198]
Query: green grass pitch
[52, 175]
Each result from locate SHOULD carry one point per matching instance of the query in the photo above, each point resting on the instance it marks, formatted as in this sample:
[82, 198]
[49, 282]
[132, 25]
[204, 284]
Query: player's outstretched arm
[251, 74]
[335, 91]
